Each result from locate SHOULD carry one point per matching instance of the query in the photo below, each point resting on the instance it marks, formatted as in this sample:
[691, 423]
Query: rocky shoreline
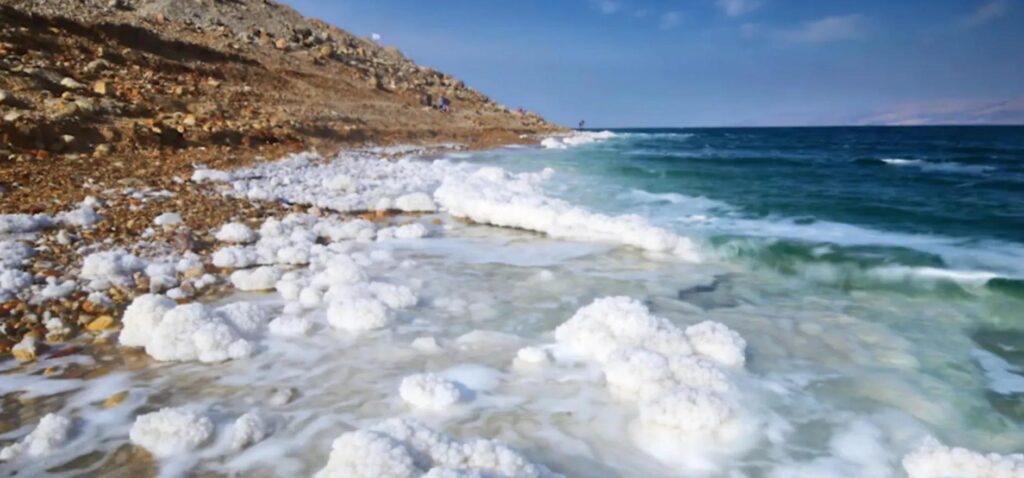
[108, 107]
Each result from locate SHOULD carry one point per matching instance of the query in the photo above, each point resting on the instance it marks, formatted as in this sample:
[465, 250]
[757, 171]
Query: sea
[875, 275]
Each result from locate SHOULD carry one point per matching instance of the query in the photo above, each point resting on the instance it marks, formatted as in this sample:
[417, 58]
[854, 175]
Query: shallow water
[849, 364]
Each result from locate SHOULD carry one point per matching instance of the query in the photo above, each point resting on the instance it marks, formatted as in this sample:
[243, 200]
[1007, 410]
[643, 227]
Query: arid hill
[108, 91]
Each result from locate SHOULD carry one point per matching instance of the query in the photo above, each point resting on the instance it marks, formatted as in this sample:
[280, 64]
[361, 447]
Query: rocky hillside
[137, 90]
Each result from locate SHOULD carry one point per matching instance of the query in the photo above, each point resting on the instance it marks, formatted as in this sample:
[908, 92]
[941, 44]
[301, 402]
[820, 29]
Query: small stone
[67, 139]
[100, 323]
[13, 116]
[5, 96]
[71, 84]
[97, 65]
[26, 350]
[115, 399]
[190, 120]
[281, 44]
[100, 88]
[102, 149]
[51, 371]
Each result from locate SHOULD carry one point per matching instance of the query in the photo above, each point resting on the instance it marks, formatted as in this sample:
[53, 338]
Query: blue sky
[716, 62]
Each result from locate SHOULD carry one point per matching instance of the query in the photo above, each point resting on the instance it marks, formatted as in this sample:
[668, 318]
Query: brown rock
[115, 399]
[100, 88]
[100, 323]
[281, 44]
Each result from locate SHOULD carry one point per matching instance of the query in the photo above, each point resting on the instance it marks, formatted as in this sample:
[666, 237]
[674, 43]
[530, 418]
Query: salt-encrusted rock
[934, 460]
[14, 253]
[50, 434]
[189, 332]
[291, 326]
[234, 257]
[23, 223]
[248, 430]
[203, 175]
[236, 232]
[718, 342]
[26, 350]
[142, 317]
[171, 431]
[674, 377]
[260, 278]
[359, 314]
[408, 449]
[111, 268]
[408, 231]
[13, 283]
[84, 215]
[168, 219]
[415, 202]
[430, 392]
[247, 318]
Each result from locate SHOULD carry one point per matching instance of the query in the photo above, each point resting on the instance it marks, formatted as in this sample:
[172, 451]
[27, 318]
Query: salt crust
[430, 392]
[192, 332]
[401, 448]
[935, 460]
[171, 431]
[678, 378]
[49, 435]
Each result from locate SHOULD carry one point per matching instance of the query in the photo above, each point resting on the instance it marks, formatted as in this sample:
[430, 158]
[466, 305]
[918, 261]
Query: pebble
[71, 84]
[100, 323]
[115, 399]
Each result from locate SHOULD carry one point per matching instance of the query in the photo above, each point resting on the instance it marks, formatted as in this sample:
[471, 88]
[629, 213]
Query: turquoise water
[913, 206]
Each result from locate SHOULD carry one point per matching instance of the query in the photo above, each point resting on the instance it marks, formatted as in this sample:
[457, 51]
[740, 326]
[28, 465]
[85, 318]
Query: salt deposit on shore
[582, 357]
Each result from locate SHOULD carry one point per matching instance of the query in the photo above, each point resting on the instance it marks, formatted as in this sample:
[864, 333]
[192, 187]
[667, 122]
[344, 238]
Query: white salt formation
[191, 332]
[236, 232]
[112, 268]
[168, 219]
[141, 318]
[260, 278]
[677, 378]
[429, 391]
[248, 430]
[934, 460]
[51, 433]
[24, 223]
[204, 175]
[84, 215]
[400, 448]
[493, 196]
[171, 431]
[359, 181]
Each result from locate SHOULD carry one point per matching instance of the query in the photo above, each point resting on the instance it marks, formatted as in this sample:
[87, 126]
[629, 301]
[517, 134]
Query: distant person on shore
[582, 124]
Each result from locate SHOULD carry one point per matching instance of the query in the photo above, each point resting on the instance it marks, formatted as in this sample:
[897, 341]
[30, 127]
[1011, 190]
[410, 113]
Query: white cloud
[986, 12]
[669, 20]
[846, 27]
[606, 7]
[735, 8]
[949, 111]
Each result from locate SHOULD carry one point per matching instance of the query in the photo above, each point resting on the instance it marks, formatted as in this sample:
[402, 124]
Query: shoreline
[124, 223]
